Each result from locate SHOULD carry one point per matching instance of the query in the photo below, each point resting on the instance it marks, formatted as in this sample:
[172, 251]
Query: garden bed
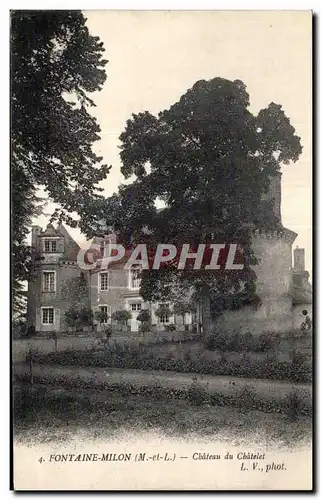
[299, 369]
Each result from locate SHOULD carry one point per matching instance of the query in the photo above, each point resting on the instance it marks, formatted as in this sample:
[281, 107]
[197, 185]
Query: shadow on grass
[44, 414]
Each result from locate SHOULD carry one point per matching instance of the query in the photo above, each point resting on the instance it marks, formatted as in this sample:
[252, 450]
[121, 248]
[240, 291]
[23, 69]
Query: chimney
[274, 194]
[299, 259]
[35, 231]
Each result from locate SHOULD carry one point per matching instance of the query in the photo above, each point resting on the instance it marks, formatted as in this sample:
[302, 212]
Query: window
[164, 318]
[105, 313]
[50, 245]
[49, 280]
[136, 307]
[103, 281]
[47, 315]
[135, 280]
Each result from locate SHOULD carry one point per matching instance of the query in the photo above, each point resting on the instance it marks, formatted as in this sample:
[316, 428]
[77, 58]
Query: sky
[156, 56]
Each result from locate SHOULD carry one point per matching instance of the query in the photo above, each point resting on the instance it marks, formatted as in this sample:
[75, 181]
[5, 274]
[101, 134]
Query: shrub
[269, 341]
[171, 327]
[239, 342]
[121, 316]
[247, 398]
[219, 341]
[140, 357]
[107, 329]
[197, 394]
[101, 316]
[144, 316]
[295, 406]
[31, 331]
[248, 342]
[236, 342]
[86, 316]
[144, 327]
[299, 369]
[71, 317]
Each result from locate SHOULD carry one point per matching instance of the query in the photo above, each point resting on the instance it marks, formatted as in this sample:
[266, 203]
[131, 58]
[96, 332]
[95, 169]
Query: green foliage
[107, 333]
[182, 308]
[141, 358]
[78, 317]
[144, 316]
[71, 317]
[238, 342]
[269, 341]
[101, 316]
[163, 310]
[122, 316]
[295, 406]
[86, 316]
[144, 327]
[76, 291]
[197, 394]
[210, 160]
[248, 398]
[31, 331]
[55, 64]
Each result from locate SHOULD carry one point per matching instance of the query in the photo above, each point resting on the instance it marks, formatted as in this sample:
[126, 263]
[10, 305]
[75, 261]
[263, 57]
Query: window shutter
[154, 318]
[38, 320]
[57, 319]
[95, 310]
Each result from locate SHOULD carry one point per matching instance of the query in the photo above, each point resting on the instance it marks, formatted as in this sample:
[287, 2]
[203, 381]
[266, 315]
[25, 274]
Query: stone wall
[64, 271]
[298, 316]
[274, 280]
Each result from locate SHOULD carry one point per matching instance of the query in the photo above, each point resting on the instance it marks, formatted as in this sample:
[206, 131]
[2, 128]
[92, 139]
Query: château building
[283, 288]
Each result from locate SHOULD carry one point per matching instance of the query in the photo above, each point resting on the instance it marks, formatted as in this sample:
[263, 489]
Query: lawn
[46, 414]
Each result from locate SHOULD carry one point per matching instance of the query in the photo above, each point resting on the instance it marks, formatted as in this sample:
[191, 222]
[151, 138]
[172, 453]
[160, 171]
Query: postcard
[162, 323]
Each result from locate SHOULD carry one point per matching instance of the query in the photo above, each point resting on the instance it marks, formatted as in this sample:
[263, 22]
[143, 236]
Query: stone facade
[108, 290]
[56, 264]
[285, 292]
[122, 292]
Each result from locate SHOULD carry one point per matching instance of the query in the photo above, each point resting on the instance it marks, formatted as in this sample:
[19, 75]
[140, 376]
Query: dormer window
[50, 245]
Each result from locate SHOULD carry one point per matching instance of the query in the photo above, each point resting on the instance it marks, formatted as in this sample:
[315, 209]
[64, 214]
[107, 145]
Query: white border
[4, 195]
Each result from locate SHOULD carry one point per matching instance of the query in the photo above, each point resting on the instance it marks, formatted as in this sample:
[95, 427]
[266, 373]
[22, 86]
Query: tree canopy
[210, 161]
[55, 64]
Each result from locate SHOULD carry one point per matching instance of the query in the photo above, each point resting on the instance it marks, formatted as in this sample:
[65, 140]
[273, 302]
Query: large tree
[55, 64]
[210, 160]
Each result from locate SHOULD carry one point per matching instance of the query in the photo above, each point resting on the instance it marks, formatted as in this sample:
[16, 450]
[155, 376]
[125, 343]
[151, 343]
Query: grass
[43, 414]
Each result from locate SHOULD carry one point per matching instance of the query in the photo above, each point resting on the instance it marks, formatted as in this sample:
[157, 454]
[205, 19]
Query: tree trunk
[31, 362]
[205, 313]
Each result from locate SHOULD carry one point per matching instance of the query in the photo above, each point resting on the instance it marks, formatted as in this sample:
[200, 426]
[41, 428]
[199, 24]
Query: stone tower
[274, 194]
[273, 248]
[299, 259]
